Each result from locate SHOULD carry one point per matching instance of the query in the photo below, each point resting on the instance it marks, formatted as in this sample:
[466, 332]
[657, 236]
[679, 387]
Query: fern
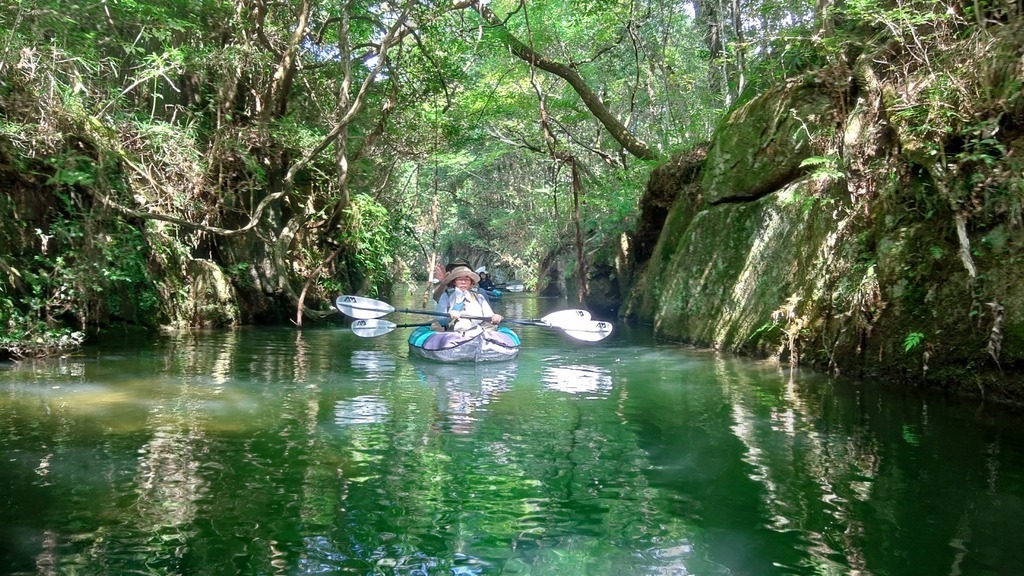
[913, 340]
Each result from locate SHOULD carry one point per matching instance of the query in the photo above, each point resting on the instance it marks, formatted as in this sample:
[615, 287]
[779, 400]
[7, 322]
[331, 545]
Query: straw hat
[459, 272]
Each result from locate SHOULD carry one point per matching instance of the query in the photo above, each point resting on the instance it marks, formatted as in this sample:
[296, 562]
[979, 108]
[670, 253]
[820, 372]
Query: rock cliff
[854, 219]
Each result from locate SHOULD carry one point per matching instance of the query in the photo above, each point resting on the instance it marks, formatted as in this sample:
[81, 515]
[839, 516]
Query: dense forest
[214, 163]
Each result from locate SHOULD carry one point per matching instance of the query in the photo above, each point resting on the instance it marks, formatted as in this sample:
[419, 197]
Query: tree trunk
[581, 262]
[741, 50]
[709, 14]
[276, 99]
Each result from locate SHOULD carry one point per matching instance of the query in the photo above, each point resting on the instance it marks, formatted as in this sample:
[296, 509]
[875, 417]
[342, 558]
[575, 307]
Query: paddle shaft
[468, 317]
[375, 327]
[575, 323]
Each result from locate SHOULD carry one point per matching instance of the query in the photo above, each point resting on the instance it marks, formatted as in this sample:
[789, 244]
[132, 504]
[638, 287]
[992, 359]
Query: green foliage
[981, 148]
[26, 339]
[768, 329]
[72, 169]
[610, 206]
[130, 294]
[164, 107]
[76, 276]
[498, 96]
[105, 274]
[372, 245]
[902, 15]
[826, 168]
[912, 341]
[807, 202]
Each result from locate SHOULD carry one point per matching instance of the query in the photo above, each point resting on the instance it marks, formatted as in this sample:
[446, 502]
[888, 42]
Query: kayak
[475, 345]
[491, 294]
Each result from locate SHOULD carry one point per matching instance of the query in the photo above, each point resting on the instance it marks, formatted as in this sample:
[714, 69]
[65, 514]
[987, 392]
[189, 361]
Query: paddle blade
[566, 318]
[372, 327]
[362, 308]
[590, 331]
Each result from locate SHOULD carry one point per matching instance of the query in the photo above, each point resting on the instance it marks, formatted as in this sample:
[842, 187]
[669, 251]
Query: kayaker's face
[463, 282]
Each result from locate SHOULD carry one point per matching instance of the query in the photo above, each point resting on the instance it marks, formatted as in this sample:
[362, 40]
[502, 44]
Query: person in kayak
[463, 301]
[485, 282]
[441, 272]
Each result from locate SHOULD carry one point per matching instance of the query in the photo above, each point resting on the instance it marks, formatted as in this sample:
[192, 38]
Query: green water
[275, 451]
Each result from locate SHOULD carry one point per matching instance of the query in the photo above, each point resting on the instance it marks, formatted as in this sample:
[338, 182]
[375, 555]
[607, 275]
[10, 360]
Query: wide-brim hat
[459, 272]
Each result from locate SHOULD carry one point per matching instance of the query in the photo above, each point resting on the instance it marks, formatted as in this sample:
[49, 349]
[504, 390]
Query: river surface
[280, 451]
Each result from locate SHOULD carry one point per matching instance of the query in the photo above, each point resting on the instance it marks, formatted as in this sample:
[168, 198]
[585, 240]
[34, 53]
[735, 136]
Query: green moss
[847, 284]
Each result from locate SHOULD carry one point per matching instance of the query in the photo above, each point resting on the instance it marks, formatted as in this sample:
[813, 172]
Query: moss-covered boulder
[838, 224]
[762, 142]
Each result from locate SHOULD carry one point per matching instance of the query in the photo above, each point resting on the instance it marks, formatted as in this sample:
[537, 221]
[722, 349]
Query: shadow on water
[272, 450]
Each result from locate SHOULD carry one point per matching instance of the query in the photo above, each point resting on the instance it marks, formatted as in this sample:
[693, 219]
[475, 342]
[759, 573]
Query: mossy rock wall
[819, 229]
[737, 264]
[777, 125]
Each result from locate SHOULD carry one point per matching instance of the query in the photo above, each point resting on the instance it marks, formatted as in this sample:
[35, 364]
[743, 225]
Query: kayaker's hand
[439, 272]
[455, 314]
[496, 319]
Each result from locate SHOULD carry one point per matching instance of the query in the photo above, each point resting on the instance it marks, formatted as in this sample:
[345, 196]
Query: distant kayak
[491, 294]
[476, 345]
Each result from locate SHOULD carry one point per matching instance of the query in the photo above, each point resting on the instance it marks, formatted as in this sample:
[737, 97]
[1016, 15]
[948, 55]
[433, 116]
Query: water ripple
[360, 410]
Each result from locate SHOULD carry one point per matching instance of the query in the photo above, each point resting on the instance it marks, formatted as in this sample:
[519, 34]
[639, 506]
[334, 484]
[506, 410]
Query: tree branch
[591, 100]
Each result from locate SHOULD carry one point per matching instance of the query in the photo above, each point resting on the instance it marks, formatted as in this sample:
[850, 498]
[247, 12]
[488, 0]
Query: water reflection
[360, 410]
[578, 379]
[461, 390]
[375, 364]
[270, 453]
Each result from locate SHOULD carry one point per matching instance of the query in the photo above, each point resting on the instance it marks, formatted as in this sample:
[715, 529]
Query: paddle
[366, 308]
[588, 331]
[371, 328]
[575, 323]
